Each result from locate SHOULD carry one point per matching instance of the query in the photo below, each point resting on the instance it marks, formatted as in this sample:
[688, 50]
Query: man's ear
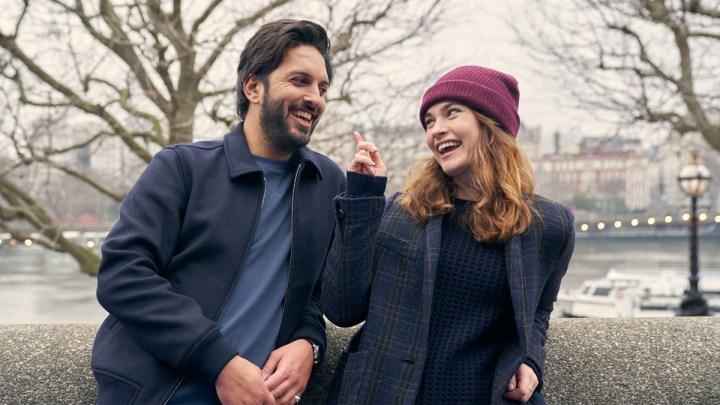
[253, 87]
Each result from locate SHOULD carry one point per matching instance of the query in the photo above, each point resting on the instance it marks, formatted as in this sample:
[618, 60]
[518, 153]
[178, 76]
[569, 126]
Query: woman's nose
[439, 128]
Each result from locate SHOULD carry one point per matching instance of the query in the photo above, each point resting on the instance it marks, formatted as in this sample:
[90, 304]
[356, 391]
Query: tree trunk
[712, 137]
[87, 260]
[181, 124]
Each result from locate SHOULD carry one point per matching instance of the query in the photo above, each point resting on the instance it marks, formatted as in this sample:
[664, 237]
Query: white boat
[636, 293]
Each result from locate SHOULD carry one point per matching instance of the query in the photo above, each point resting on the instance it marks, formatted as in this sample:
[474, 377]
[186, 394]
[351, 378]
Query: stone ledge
[590, 361]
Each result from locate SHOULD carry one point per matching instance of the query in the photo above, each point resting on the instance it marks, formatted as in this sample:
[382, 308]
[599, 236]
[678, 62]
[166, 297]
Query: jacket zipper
[292, 248]
[175, 388]
[227, 298]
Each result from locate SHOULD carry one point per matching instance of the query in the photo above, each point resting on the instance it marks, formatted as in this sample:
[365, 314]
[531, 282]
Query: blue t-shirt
[252, 316]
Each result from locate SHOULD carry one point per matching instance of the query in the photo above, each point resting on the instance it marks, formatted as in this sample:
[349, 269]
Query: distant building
[532, 142]
[608, 175]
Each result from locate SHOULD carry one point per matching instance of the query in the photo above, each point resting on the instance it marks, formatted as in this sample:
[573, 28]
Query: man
[210, 276]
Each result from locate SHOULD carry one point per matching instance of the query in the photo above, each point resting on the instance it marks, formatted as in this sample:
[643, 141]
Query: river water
[39, 286]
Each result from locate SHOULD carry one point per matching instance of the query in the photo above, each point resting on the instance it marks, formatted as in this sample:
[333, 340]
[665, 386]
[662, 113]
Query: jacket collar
[241, 162]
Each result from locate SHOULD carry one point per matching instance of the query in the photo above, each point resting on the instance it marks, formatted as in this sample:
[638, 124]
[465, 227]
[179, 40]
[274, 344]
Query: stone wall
[590, 361]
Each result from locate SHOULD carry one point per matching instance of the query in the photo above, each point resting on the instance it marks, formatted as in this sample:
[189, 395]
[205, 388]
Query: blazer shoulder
[546, 206]
[556, 219]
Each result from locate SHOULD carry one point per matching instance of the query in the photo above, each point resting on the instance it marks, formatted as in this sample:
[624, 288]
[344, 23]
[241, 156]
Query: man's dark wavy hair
[266, 49]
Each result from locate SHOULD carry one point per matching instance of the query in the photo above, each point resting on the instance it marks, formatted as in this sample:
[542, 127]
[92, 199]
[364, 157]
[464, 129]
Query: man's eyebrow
[306, 74]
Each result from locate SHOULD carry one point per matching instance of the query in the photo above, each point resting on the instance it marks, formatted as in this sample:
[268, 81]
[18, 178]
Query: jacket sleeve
[541, 322]
[348, 271]
[312, 325]
[131, 283]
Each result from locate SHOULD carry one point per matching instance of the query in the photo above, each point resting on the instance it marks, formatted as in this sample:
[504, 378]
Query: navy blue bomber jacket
[169, 264]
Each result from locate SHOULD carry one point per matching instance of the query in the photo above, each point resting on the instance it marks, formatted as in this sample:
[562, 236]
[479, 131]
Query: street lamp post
[694, 179]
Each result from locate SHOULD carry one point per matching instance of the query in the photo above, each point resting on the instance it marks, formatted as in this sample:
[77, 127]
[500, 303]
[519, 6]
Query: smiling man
[210, 275]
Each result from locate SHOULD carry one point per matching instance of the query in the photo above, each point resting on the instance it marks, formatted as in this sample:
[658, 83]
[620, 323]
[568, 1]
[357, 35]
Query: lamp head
[694, 178]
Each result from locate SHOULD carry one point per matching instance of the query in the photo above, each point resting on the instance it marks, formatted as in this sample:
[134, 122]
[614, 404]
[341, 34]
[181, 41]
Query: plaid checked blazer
[381, 270]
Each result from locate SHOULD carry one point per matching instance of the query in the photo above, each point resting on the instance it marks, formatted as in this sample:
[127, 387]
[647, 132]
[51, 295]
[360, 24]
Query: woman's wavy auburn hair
[501, 174]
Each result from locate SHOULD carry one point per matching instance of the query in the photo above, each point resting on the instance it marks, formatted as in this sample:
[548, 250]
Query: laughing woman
[455, 278]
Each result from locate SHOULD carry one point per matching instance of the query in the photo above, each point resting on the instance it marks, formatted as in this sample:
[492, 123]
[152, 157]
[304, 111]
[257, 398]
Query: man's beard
[274, 125]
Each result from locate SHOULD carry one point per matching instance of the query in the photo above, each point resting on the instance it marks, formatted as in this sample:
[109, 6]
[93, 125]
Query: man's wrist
[316, 351]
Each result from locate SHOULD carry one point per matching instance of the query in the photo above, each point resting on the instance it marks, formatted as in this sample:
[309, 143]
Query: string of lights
[637, 221]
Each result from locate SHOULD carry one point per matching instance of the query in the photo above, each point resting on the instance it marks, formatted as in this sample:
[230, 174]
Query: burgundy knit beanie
[489, 92]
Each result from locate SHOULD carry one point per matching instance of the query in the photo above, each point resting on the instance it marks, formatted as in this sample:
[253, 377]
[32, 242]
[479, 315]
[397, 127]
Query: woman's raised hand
[367, 160]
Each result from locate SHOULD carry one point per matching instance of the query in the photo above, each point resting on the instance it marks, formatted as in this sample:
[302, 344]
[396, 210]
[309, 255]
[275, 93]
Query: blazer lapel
[432, 255]
[514, 351]
[517, 281]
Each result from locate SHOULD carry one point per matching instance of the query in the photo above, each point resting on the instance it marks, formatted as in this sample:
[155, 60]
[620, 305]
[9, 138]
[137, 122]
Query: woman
[456, 277]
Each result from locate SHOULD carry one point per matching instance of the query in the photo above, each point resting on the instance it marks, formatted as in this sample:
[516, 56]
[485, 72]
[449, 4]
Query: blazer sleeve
[131, 286]
[541, 322]
[348, 271]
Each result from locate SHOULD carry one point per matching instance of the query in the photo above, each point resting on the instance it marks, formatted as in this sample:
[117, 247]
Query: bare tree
[109, 77]
[653, 62]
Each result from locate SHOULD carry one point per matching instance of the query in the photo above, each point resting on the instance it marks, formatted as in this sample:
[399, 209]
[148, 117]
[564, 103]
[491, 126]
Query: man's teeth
[303, 115]
[446, 145]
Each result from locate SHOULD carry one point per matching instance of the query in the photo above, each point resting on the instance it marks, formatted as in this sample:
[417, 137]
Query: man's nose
[314, 98]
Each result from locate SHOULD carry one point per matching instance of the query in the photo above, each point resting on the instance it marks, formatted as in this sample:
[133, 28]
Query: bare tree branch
[230, 34]
[143, 74]
[640, 59]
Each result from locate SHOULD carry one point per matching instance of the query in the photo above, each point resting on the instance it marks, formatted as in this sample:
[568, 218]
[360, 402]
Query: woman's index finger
[358, 137]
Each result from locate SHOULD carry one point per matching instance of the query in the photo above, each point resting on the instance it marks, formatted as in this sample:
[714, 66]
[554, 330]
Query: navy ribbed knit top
[471, 320]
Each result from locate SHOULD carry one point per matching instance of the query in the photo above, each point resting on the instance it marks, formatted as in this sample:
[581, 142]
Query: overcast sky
[486, 39]
[482, 36]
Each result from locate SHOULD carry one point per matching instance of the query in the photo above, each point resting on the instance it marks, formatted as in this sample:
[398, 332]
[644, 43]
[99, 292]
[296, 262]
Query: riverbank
[39, 286]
